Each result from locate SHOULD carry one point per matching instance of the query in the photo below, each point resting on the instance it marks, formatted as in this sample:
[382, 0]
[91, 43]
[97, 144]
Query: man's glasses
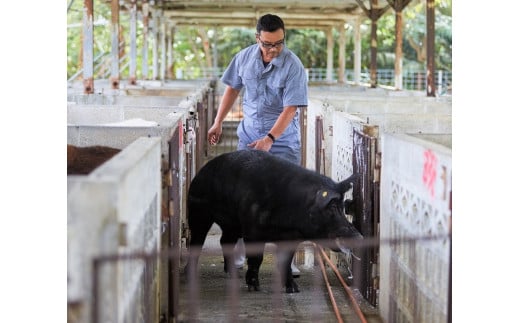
[278, 44]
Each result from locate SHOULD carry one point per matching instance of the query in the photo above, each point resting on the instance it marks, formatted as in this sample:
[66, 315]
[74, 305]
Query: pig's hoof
[252, 279]
[292, 289]
[256, 287]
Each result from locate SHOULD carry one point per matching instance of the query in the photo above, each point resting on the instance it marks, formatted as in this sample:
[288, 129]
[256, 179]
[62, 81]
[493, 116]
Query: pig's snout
[346, 239]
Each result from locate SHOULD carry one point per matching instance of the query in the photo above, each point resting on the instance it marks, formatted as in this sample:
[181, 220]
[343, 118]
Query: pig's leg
[200, 221]
[254, 260]
[227, 241]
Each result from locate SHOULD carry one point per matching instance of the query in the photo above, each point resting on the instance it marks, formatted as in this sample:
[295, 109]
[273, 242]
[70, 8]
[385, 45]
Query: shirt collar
[278, 61]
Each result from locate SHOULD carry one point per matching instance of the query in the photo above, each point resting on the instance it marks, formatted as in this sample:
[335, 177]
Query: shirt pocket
[274, 95]
[250, 81]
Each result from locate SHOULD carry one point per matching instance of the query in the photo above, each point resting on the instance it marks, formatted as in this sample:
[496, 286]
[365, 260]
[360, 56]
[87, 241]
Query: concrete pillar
[341, 58]
[330, 53]
[169, 45]
[215, 53]
[357, 51]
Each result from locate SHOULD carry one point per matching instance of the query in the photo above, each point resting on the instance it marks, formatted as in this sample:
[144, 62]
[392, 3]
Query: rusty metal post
[88, 47]
[162, 31]
[374, 16]
[114, 78]
[133, 43]
[201, 142]
[430, 48]
[374, 13]
[303, 134]
[155, 43]
[366, 197]
[144, 63]
[318, 145]
[398, 6]
[398, 64]
[373, 53]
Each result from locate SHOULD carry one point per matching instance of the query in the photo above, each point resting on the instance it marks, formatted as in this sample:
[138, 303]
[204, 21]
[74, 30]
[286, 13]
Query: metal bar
[362, 218]
[430, 48]
[357, 309]
[144, 66]
[233, 300]
[155, 43]
[398, 64]
[174, 224]
[80, 71]
[327, 284]
[193, 283]
[373, 52]
[114, 78]
[353, 242]
[318, 136]
[169, 48]
[303, 134]
[88, 47]
[163, 65]
[121, 60]
[133, 43]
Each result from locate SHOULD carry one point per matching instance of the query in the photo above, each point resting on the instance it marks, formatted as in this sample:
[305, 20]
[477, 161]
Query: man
[275, 86]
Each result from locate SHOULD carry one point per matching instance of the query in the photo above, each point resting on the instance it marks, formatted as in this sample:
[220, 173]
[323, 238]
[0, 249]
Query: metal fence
[412, 79]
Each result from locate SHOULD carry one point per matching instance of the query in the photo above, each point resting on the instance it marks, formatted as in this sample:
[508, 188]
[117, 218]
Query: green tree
[193, 46]
[102, 43]
[308, 44]
[415, 34]
[231, 40]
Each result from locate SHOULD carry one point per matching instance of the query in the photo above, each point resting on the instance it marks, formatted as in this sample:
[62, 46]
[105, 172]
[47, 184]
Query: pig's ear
[323, 198]
[345, 185]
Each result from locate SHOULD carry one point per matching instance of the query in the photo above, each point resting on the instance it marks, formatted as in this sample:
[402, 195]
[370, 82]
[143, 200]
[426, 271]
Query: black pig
[263, 198]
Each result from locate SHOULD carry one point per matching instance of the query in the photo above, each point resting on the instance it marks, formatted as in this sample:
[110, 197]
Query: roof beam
[250, 17]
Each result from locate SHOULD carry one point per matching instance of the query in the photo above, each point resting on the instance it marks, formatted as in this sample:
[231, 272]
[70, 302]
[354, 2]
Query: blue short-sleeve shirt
[281, 83]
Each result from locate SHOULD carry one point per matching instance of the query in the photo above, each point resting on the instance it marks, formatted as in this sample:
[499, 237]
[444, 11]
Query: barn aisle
[270, 304]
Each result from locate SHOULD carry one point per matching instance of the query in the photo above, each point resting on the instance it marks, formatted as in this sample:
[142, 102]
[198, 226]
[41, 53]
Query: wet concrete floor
[214, 303]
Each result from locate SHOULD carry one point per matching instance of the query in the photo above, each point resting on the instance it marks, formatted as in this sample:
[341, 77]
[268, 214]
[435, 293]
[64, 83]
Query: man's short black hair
[269, 23]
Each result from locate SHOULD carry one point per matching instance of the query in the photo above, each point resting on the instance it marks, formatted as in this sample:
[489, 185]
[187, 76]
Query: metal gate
[366, 162]
[365, 206]
[174, 220]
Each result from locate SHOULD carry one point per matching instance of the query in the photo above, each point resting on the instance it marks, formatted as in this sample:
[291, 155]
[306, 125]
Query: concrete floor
[271, 304]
